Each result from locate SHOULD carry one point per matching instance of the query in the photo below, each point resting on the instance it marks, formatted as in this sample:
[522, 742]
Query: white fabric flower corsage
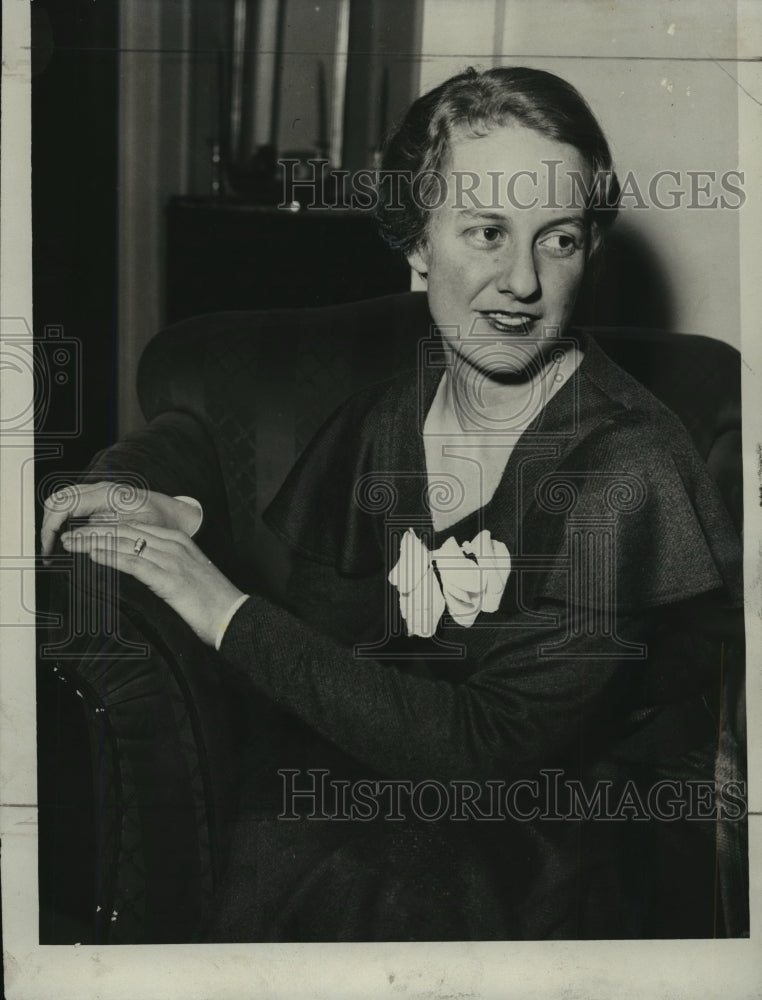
[466, 579]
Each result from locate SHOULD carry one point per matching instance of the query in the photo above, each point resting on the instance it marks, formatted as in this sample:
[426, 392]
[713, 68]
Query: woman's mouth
[509, 322]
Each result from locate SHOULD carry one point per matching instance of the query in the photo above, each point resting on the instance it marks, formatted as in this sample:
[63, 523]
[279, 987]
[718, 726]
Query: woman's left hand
[169, 564]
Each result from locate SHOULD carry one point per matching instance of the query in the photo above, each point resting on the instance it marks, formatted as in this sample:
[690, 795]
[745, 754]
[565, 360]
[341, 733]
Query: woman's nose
[518, 274]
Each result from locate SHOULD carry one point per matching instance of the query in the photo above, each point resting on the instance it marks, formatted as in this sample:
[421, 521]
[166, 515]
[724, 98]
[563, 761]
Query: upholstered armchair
[230, 400]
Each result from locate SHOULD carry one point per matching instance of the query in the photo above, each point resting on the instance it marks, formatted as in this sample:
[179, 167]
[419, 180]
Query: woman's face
[504, 264]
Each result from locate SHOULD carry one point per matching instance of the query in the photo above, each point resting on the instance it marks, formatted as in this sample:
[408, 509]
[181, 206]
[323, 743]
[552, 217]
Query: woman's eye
[560, 244]
[486, 236]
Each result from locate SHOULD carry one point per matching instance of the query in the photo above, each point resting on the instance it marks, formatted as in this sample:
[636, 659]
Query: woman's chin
[518, 361]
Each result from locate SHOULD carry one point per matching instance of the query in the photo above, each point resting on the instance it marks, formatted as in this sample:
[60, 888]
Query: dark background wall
[74, 219]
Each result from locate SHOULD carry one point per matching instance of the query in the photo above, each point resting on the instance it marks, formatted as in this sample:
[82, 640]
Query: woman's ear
[418, 259]
[594, 241]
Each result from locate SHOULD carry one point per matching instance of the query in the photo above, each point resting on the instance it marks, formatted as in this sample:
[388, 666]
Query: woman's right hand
[99, 502]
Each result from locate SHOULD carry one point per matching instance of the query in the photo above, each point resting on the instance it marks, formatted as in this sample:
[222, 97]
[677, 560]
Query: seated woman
[496, 684]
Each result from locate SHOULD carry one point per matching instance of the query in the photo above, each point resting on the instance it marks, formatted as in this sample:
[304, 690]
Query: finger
[71, 501]
[94, 542]
[145, 570]
[168, 553]
[101, 516]
[112, 527]
[100, 536]
[56, 510]
[66, 493]
[51, 522]
[166, 539]
[70, 495]
[157, 532]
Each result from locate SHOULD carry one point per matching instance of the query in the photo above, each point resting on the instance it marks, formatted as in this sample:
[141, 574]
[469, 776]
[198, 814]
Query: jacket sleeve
[517, 713]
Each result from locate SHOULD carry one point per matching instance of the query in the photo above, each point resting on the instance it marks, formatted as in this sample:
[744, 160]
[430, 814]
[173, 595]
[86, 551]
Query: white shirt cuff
[228, 618]
[199, 509]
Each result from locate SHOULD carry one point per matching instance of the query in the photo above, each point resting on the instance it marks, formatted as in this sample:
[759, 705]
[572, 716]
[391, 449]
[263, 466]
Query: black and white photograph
[382, 498]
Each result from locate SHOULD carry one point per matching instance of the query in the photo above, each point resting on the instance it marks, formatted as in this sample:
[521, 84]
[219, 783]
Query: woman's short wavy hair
[474, 103]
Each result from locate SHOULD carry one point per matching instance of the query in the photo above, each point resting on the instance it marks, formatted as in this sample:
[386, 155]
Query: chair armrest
[158, 717]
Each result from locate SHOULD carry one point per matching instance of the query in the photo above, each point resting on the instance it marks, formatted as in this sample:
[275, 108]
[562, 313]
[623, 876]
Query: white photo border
[700, 968]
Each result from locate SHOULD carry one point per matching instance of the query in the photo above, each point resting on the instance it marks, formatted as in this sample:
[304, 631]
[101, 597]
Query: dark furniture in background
[223, 254]
[231, 399]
